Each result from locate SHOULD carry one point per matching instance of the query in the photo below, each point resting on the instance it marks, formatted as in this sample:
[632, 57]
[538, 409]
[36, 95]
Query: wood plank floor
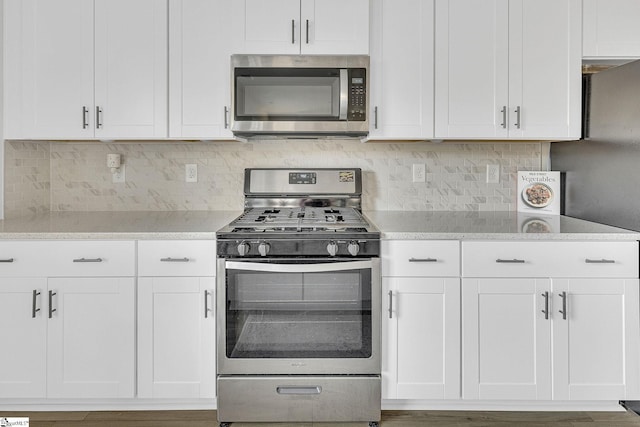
[389, 419]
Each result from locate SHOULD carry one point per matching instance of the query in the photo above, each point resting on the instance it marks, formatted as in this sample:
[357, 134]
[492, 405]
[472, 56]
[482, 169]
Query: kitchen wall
[57, 176]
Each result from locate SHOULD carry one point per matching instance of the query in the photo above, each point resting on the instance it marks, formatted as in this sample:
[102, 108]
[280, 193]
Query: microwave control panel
[357, 109]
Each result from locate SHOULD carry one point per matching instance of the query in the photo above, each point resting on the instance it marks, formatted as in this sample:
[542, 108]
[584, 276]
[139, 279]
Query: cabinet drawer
[91, 258]
[23, 259]
[408, 258]
[550, 259]
[176, 258]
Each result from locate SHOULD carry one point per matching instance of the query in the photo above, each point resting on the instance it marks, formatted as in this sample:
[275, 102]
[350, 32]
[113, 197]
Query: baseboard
[18, 405]
[500, 405]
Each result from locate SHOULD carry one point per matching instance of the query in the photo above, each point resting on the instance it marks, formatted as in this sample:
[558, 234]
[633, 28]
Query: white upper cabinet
[86, 69]
[289, 27]
[610, 29]
[401, 104]
[199, 69]
[508, 69]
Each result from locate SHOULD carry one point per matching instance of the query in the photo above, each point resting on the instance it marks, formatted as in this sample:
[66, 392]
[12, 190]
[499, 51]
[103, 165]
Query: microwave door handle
[344, 93]
[298, 268]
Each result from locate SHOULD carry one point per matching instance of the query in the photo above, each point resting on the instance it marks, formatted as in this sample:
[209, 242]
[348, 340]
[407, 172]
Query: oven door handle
[298, 268]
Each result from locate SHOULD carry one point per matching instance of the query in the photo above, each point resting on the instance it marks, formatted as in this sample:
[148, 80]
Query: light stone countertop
[149, 225]
[491, 226]
[135, 225]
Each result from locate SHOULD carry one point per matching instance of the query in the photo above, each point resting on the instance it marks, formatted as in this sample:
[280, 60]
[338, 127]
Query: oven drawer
[165, 258]
[299, 399]
[421, 258]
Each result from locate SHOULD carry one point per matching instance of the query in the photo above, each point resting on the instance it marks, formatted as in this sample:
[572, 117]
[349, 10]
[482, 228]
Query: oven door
[298, 316]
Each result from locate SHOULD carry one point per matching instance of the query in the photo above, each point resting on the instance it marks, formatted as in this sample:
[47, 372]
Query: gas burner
[333, 218]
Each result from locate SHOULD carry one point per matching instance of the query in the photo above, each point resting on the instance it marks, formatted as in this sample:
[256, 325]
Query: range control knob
[332, 248]
[243, 248]
[263, 248]
[353, 248]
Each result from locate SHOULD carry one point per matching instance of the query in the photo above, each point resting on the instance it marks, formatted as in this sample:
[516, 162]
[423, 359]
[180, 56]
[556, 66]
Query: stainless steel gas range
[298, 319]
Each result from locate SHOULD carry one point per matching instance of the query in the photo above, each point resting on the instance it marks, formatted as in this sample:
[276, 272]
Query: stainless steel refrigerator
[602, 171]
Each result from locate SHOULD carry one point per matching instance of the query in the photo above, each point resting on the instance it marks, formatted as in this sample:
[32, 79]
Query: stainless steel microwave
[299, 95]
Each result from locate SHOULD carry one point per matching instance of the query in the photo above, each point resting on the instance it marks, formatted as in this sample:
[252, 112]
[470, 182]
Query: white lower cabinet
[91, 337]
[596, 344]
[421, 330]
[506, 340]
[421, 319]
[176, 319]
[575, 336]
[23, 334]
[71, 332]
[176, 337]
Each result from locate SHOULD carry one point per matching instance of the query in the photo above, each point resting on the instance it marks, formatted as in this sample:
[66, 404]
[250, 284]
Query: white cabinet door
[610, 29]
[130, 68]
[266, 27]
[401, 103]
[176, 337]
[545, 81]
[199, 69]
[290, 27]
[596, 345]
[424, 335]
[506, 340]
[335, 27]
[471, 69]
[91, 338]
[490, 79]
[23, 331]
[49, 69]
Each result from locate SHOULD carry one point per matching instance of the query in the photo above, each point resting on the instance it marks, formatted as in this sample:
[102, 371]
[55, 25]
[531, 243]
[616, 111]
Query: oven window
[287, 94]
[298, 315]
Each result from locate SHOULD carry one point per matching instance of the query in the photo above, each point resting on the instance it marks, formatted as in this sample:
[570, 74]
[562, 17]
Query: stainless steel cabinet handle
[510, 261]
[293, 31]
[185, 259]
[87, 260]
[307, 31]
[563, 295]
[6, 260]
[298, 389]
[518, 117]
[375, 118]
[423, 260]
[85, 114]
[98, 117]
[34, 304]
[546, 305]
[51, 309]
[207, 310]
[504, 117]
[226, 117]
[390, 304]
[599, 261]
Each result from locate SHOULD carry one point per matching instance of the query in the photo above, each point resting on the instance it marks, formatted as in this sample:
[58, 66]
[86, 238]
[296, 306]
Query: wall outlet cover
[419, 172]
[493, 174]
[191, 173]
[118, 176]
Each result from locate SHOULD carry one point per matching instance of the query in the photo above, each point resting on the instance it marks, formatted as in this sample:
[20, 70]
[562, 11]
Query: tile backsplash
[63, 176]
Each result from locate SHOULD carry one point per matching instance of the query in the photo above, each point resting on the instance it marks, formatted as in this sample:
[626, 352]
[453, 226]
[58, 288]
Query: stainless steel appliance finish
[298, 307]
[601, 171]
[299, 96]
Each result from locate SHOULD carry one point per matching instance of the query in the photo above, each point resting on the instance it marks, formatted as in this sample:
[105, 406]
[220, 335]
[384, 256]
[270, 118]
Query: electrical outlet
[419, 172]
[493, 174]
[191, 173]
[118, 175]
